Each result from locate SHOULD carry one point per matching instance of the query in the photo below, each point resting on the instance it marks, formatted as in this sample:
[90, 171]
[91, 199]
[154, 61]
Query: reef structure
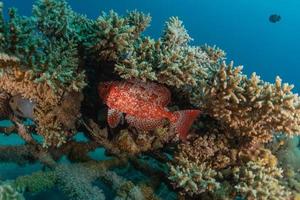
[50, 67]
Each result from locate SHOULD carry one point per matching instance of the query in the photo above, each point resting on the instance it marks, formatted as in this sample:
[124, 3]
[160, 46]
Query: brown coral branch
[100, 136]
[24, 133]
[8, 130]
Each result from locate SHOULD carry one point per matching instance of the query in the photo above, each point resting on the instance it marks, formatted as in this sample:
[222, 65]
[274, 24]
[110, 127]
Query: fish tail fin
[183, 120]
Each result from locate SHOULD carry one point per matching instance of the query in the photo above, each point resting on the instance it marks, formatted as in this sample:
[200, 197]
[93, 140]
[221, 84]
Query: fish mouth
[103, 89]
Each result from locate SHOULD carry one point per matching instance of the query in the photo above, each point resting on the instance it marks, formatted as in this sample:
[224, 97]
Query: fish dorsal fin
[114, 117]
[143, 124]
[149, 91]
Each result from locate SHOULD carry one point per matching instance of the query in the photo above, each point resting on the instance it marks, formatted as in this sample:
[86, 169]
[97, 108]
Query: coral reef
[253, 108]
[245, 144]
[8, 192]
[76, 182]
[170, 60]
[193, 178]
[258, 182]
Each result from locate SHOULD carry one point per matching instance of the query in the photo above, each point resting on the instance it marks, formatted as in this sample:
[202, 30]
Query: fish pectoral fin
[143, 124]
[114, 117]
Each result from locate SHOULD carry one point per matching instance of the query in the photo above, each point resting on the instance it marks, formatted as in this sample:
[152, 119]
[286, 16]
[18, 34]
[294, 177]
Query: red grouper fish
[144, 104]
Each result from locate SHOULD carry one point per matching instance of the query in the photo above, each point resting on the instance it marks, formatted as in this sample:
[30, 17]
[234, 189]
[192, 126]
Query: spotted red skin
[144, 105]
[130, 99]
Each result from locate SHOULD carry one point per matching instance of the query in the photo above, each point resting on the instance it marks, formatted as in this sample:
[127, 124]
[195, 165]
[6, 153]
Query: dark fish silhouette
[274, 18]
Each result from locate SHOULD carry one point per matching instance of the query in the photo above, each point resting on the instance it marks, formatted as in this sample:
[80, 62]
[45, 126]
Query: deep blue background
[240, 27]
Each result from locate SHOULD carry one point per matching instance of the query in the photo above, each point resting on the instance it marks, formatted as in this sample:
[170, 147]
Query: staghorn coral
[51, 122]
[220, 90]
[8, 61]
[170, 60]
[52, 17]
[192, 178]
[59, 69]
[46, 68]
[82, 176]
[115, 33]
[214, 150]
[9, 192]
[214, 53]
[252, 108]
[220, 154]
[76, 182]
[261, 156]
[134, 141]
[36, 182]
[287, 151]
[49, 59]
[40, 93]
[124, 189]
[45, 59]
[258, 182]
[125, 142]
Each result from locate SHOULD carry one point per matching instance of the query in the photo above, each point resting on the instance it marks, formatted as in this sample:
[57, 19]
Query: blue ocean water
[240, 27]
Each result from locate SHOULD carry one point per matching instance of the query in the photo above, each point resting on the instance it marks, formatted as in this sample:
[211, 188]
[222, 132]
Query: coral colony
[176, 121]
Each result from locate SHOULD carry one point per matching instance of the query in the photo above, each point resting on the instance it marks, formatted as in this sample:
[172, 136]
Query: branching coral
[46, 71]
[36, 182]
[251, 107]
[76, 181]
[47, 102]
[193, 178]
[214, 53]
[254, 109]
[116, 34]
[169, 60]
[124, 189]
[287, 151]
[214, 150]
[9, 192]
[52, 60]
[47, 60]
[8, 61]
[52, 17]
[258, 182]
[127, 142]
[60, 66]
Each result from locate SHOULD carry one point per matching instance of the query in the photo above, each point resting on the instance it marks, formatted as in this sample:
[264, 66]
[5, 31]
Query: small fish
[274, 18]
[144, 104]
[22, 107]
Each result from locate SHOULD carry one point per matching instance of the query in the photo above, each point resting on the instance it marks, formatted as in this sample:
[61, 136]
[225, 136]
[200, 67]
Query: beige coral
[169, 60]
[193, 178]
[8, 60]
[214, 150]
[53, 108]
[40, 93]
[4, 105]
[251, 107]
[118, 33]
[258, 182]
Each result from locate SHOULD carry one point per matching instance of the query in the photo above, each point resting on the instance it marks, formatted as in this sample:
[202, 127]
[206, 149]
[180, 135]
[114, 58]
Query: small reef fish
[144, 104]
[22, 107]
[274, 18]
